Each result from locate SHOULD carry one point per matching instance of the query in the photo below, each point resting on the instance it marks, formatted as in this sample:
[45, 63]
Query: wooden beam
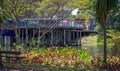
[22, 37]
[52, 37]
[73, 35]
[77, 38]
[64, 37]
[69, 36]
[80, 39]
[33, 33]
[39, 36]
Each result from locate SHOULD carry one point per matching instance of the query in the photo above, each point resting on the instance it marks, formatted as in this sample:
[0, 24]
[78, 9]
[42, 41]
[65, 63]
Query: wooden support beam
[69, 36]
[80, 39]
[39, 37]
[77, 38]
[5, 42]
[59, 37]
[22, 37]
[64, 37]
[33, 33]
[52, 37]
[73, 35]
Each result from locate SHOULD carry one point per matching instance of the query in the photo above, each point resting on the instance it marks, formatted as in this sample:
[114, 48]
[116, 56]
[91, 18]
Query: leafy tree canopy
[113, 20]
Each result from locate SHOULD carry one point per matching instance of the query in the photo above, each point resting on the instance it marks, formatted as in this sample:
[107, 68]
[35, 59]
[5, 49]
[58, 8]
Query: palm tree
[102, 8]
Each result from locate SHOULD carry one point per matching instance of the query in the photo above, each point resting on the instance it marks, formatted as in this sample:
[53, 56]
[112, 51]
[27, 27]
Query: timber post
[77, 38]
[80, 39]
[64, 37]
[52, 37]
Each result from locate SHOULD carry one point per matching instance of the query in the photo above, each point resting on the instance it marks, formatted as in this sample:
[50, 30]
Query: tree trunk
[105, 41]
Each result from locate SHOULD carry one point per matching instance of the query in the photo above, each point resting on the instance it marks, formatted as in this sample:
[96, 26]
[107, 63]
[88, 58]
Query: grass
[51, 68]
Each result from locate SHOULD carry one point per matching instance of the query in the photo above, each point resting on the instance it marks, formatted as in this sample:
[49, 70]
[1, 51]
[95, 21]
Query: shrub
[66, 57]
[113, 62]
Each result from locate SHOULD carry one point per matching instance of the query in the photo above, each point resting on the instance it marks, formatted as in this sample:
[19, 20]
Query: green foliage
[32, 43]
[58, 8]
[12, 8]
[113, 20]
[41, 5]
[102, 8]
[85, 9]
[34, 51]
[100, 39]
[18, 47]
[54, 56]
[84, 4]
[112, 62]
[3, 15]
[115, 50]
[113, 37]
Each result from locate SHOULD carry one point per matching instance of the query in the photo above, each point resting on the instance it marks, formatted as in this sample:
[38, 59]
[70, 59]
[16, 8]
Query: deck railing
[61, 23]
[46, 23]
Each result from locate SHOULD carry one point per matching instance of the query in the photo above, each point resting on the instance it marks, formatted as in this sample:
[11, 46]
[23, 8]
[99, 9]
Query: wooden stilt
[69, 36]
[80, 39]
[52, 37]
[57, 36]
[22, 37]
[38, 38]
[60, 37]
[77, 38]
[73, 35]
[31, 33]
[64, 37]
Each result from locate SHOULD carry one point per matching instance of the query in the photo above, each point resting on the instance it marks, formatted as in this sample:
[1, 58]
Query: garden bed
[65, 59]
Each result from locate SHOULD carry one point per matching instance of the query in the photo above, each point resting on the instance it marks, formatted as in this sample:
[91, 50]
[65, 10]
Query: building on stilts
[46, 31]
